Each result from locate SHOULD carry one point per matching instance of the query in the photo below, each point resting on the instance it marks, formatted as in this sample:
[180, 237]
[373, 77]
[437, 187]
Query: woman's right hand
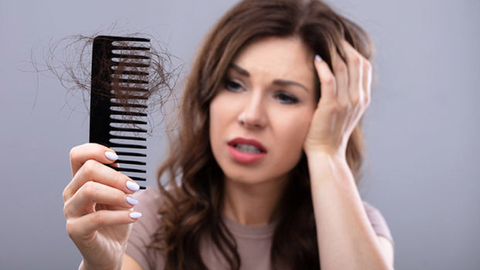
[98, 207]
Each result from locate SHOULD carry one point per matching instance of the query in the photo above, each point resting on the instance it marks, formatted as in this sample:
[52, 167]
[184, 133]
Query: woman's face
[261, 115]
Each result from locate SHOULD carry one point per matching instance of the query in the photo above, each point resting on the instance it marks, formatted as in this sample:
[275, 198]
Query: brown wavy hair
[193, 200]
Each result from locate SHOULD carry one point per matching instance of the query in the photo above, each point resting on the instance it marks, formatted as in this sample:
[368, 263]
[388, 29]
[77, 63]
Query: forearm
[346, 239]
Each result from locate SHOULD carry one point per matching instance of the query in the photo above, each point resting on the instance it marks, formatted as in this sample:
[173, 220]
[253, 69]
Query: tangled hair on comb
[70, 61]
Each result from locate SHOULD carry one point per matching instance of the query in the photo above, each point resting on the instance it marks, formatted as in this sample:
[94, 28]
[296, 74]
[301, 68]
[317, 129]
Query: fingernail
[318, 58]
[132, 186]
[135, 215]
[132, 200]
[111, 155]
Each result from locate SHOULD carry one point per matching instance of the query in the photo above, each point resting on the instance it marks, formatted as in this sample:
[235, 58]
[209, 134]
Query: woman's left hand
[345, 95]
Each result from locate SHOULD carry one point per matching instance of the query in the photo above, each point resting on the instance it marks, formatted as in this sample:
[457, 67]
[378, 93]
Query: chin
[254, 177]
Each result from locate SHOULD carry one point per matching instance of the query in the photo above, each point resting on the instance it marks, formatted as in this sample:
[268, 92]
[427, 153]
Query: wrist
[325, 153]
[329, 170]
[327, 163]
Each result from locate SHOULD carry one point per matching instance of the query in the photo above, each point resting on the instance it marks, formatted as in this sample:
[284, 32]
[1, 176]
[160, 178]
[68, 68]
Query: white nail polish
[110, 155]
[132, 186]
[131, 200]
[135, 215]
[318, 58]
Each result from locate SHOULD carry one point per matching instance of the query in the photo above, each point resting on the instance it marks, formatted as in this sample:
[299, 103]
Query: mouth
[247, 146]
[246, 151]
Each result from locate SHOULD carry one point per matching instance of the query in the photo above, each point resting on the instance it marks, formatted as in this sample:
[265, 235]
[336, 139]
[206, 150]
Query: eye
[232, 85]
[286, 98]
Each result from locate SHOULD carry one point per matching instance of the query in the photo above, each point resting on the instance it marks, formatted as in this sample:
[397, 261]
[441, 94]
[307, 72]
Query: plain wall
[422, 127]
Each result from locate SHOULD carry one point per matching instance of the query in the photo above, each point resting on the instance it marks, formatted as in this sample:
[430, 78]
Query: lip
[246, 158]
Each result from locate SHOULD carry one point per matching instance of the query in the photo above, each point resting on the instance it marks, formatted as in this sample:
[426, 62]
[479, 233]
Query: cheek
[219, 114]
[213, 119]
[293, 129]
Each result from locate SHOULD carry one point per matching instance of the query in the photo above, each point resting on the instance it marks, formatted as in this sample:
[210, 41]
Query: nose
[253, 114]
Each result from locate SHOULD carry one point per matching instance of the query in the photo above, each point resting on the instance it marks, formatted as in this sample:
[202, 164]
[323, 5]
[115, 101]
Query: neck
[253, 204]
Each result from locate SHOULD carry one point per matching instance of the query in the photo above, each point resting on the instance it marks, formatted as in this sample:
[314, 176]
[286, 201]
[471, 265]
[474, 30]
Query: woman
[267, 154]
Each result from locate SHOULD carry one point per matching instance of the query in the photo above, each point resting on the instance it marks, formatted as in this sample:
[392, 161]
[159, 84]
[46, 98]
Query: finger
[328, 86]
[87, 225]
[367, 81]
[80, 154]
[94, 171]
[91, 194]
[341, 73]
[355, 63]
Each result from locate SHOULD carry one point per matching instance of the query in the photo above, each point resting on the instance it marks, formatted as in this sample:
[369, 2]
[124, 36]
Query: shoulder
[143, 231]
[149, 202]
[378, 222]
[149, 195]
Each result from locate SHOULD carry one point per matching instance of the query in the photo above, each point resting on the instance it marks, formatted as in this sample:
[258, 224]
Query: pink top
[253, 242]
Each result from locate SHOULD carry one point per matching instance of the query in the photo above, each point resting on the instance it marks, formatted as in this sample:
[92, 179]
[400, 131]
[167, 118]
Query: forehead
[287, 57]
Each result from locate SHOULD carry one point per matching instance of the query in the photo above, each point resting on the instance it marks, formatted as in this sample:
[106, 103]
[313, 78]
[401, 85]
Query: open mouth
[247, 148]
[246, 151]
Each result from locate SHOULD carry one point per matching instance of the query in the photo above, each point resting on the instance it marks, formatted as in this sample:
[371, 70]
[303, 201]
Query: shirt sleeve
[144, 229]
[378, 222]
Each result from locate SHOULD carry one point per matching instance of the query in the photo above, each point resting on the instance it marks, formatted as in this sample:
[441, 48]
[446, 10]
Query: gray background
[422, 127]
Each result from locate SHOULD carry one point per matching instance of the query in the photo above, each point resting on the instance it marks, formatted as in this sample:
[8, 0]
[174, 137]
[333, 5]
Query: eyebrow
[276, 82]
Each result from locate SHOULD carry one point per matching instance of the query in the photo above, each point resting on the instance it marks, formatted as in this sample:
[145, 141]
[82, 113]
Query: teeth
[246, 148]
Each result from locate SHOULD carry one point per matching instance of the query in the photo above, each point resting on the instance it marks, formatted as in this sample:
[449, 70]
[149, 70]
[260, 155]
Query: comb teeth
[119, 94]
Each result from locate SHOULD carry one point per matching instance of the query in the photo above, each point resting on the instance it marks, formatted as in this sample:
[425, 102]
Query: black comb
[118, 104]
